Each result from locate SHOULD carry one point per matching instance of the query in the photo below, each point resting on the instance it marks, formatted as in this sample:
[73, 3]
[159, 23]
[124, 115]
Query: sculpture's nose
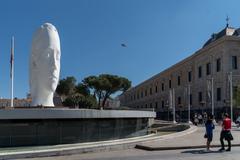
[54, 60]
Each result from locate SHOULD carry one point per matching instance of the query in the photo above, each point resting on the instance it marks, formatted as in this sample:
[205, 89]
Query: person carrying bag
[226, 132]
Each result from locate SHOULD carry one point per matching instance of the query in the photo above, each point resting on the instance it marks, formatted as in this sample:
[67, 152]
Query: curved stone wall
[51, 130]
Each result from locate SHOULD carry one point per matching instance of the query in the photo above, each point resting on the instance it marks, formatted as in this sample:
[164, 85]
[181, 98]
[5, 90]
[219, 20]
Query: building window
[236, 93]
[141, 94]
[156, 89]
[156, 105]
[199, 97]
[190, 99]
[146, 106]
[234, 62]
[137, 95]
[199, 71]
[170, 83]
[219, 94]
[134, 97]
[218, 64]
[145, 92]
[179, 101]
[189, 76]
[150, 91]
[150, 106]
[208, 66]
[179, 80]
[162, 86]
[162, 104]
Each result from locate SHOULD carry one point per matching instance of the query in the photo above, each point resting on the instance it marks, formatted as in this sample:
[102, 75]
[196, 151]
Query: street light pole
[189, 105]
[173, 102]
[212, 96]
[231, 95]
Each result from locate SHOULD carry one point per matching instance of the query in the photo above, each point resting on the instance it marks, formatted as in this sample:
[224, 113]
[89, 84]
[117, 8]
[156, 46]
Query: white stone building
[218, 57]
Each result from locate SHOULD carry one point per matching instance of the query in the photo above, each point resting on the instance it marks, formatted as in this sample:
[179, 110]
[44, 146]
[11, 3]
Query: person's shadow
[200, 151]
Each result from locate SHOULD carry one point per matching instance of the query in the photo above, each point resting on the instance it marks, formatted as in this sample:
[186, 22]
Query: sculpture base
[22, 127]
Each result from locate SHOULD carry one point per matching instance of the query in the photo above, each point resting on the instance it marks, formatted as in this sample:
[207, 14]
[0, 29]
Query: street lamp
[172, 103]
[231, 94]
[226, 104]
[174, 106]
[189, 103]
[210, 88]
[202, 104]
[167, 106]
[180, 110]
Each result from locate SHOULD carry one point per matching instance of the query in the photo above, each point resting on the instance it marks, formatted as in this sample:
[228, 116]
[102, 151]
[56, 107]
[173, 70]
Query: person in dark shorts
[226, 132]
[209, 130]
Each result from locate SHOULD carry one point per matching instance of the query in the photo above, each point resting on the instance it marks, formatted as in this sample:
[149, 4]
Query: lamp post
[167, 106]
[226, 105]
[202, 104]
[189, 103]
[212, 96]
[231, 95]
[210, 91]
[174, 107]
[172, 103]
[180, 112]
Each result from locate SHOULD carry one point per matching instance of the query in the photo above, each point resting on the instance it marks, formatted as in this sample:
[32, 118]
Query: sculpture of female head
[44, 65]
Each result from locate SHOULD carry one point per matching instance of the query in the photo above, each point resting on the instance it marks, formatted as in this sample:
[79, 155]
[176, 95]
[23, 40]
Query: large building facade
[218, 57]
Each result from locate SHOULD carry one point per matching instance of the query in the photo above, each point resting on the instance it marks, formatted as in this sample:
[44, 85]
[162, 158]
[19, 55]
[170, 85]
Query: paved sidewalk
[136, 154]
[192, 140]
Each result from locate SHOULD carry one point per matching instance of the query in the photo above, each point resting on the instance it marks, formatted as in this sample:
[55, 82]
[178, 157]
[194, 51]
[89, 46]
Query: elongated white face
[44, 64]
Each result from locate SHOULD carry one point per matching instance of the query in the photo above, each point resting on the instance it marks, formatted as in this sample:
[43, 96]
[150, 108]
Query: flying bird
[123, 45]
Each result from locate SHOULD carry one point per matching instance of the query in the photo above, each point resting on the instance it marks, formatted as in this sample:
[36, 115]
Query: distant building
[218, 57]
[57, 100]
[112, 103]
[26, 102]
[16, 102]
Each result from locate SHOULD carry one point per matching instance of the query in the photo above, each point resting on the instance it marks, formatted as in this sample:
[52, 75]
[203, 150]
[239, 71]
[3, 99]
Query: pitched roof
[227, 31]
[237, 32]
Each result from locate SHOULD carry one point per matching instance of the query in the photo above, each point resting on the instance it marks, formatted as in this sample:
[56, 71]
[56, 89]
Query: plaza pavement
[135, 154]
[192, 140]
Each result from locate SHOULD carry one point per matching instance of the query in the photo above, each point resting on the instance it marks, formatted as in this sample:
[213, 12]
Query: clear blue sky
[158, 33]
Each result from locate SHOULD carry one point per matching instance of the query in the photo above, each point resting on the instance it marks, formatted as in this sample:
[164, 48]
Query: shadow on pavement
[201, 151]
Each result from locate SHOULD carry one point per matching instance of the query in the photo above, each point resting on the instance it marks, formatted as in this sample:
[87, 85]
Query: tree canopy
[91, 89]
[105, 85]
[66, 86]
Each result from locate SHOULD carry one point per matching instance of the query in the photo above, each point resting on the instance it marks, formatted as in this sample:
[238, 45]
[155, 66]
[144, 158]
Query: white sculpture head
[44, 65]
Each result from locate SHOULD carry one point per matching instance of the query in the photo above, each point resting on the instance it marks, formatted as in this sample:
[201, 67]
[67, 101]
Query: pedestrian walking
[205, 117]
[195, 119]
[209, 130]
[200, 118]
[226, 132]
